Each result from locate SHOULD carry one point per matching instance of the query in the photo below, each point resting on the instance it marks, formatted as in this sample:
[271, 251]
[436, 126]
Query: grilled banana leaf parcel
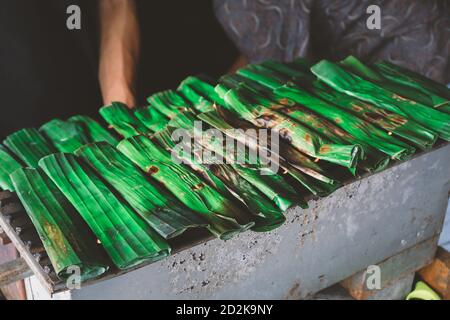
[162, 212]
[127, 238]
[351, 84]
[269, 183]
[65, 136]
[201, 93]
[93, 130]
[438, 93]
[151, 118]
[66, 238]
[300, 136]
[169, 103]
[225, 218]
[223, 178]
[29, 146]
[8, 165]
[121, 119]
[400, 126]
[357, 127]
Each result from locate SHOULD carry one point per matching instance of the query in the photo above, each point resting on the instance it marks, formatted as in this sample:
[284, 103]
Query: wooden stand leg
[437, 274]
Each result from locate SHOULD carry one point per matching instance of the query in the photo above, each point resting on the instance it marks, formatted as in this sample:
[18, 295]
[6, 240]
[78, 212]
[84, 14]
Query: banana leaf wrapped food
[251, 108]
[438, 93]
[313, 181]
[66, 238]
[351, 84]
[169, 103]
[151, 118]
[398, 125]
[121, 119]
[365, 133]
[370, 158]
[66, 136]
[200, 92]
[261, 176]
[93, 130]
[29, 146]
[403, 82]
[225, 218]
[162, 211]
[127, 238]
[8, 165]
[224, 177]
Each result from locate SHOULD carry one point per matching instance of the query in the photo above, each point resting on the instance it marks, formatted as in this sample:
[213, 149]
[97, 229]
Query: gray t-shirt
[414, 33]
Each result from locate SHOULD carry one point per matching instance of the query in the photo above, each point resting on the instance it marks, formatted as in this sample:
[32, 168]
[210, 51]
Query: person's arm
[119, 50]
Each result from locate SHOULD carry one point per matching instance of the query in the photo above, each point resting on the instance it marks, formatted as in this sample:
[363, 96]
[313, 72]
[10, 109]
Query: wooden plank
[14, 271]
[16, 290]
[4, 240]
[395, 272]
[437, 274]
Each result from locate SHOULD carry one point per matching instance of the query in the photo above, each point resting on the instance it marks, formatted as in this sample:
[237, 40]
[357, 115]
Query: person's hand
[119, 51]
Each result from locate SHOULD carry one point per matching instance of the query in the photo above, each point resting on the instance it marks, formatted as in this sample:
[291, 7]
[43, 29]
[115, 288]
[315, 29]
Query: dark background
[180, 38]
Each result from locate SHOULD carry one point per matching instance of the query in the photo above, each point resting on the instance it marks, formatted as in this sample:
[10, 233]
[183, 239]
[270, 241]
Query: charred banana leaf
[358, 128]
[65, 136]
[93, 130]
[8, 165]
[223, 178]
[200, 92]
[322, 187]
[438, 93]
[151, 118]
[225, 218]
[263, 178]
[29, 146]
[169, 103]
[355, 66]
[400, 126]
[301, 137]
[351, 84]
[371, 159]
[119, 117]
[127, 238]
[162, 212]
[64, 234]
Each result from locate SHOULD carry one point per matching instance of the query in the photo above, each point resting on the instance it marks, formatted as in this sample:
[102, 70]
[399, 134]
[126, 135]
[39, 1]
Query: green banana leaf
[93, 130]
[400, 126]
[269, 216]
[200, 92]
[372, 160]
[8, 165]
[66, 136]
[151, 118]
[169, 103]
[65, 236]
[322, 187]
[29, 146]
[258, 112]
[158, 208]
[358, 128]
[226, 219]
[351, 84]
[355, 66]
[119, 117]
[223, 178]
[438, 93]
[262, 177]
[127, 238]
